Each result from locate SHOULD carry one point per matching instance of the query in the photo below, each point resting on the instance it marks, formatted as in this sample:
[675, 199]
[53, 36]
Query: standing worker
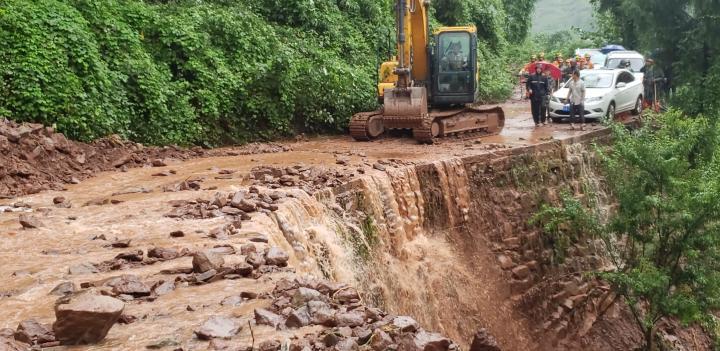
[588, 61]
[538, 87]
[576, 99]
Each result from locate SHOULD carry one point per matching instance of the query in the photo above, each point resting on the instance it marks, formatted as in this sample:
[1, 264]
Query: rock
[162, 344]
[158, 163]
[63, 289]
[321, 313]
[58, 200]
[28, 222]
[201, 277]
[164, 287]
[482, 341]
[127, 319]
[276, 257]
[233, 300]
[521, 272]
[128, 284]
[248, 295]
[177, 234]
[298, 318]
[237, 199]
[270, 345]
[405, 324]
[380, 340]
[7, 344]
[431, 341]
[204, 261]
[135, 256]
[265, 317]
[342, 160]
[347, 345]
[379, 167]
[83, 268]
[304, 295]
[255, 259]
[505, 262]
[218, 327]
[248, 248]
[121, 243]
[33, 333]
[247, 205]
[346, 295]
[258, 238]
[86, 318]
[7, 333]
[353, 318]
[244, 269]
[163, 254]
[218, 344]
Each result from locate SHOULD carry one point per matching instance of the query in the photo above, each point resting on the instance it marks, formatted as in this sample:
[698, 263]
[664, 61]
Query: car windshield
[636, 64]
[596, 79]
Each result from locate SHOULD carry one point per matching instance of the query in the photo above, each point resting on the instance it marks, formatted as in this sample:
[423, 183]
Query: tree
[664, 238]
[681, 35]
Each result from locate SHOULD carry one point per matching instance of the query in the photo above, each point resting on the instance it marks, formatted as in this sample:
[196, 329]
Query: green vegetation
[664, 237]
[552, 16]
[213, 72]
[563, 226]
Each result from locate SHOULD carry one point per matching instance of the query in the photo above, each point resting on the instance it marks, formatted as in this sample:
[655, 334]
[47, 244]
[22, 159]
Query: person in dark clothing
[538, 87]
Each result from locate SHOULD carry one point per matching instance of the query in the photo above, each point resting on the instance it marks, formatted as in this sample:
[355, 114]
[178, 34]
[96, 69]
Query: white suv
[607, 92]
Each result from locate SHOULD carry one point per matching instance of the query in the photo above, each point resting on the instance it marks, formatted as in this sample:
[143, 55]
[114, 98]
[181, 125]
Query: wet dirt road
[33, 261]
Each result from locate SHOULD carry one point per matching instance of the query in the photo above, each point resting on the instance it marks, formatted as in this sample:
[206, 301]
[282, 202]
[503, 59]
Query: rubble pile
[36, 158]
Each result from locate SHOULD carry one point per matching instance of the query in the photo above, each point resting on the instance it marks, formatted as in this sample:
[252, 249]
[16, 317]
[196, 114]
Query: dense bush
[207, 72]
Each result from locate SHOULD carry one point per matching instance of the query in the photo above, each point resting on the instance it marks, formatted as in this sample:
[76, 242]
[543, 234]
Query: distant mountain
[555, 15]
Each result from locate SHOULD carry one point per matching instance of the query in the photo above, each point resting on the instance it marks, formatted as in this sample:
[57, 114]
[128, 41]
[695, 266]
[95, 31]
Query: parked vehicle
[614, 60]
[607, 93]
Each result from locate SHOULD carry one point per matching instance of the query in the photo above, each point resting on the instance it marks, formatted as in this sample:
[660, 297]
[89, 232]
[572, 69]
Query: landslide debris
[36, 158]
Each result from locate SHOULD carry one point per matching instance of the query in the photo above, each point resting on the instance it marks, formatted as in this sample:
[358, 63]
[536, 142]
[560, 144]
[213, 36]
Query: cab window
[455, 69]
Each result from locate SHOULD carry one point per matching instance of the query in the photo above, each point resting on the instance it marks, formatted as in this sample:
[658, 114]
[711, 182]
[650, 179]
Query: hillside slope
[555, 15]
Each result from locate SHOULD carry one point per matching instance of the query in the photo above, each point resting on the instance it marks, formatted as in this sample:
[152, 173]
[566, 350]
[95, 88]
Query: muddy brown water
[34, 261]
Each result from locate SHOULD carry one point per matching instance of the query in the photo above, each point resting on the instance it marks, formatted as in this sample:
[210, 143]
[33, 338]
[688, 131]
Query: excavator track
[366, 126]
[423, 133]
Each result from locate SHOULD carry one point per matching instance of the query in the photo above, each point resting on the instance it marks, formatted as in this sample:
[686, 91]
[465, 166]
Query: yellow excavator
[432, 86]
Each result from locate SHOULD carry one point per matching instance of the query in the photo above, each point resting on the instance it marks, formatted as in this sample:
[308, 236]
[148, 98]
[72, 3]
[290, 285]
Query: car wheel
[638, 106]
[611, 111]
[556, 119]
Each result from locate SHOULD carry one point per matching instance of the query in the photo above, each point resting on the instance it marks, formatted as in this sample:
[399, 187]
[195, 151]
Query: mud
[419, 230]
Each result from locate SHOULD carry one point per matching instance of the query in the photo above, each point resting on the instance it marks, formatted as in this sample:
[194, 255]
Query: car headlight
[554, 99]
[593, 99]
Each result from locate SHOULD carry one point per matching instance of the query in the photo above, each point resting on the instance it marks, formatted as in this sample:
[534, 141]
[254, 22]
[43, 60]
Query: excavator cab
[454, 66]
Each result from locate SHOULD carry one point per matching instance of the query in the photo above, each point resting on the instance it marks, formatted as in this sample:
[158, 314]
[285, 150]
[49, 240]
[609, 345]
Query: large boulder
[86, 318]
[204, 261]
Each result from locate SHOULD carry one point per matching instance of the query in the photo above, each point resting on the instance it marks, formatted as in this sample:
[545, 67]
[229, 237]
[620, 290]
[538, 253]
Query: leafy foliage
[664, 238]
[565, 225]
[211, 72]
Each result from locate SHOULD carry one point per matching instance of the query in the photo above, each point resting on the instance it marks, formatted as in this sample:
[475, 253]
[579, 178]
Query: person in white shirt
[576, 99]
